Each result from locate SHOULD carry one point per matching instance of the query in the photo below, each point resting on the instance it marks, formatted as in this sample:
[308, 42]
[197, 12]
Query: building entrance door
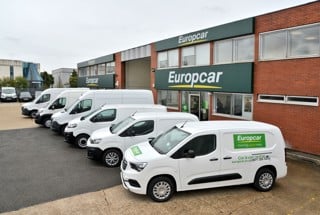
[194, 104]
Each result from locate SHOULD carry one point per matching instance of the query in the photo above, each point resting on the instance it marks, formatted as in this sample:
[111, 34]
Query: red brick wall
[299, 77]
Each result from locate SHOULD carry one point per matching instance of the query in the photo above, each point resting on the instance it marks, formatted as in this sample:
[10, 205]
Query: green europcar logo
[136, 150]
[243, 141]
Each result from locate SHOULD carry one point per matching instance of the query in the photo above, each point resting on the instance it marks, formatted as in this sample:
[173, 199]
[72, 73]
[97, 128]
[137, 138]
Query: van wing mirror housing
[190, 153]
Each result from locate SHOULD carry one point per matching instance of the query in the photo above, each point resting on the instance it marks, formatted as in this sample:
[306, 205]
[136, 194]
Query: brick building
[264, 68]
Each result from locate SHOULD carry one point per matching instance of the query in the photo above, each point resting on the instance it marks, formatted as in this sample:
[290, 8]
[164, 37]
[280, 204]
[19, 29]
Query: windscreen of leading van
[168, 140]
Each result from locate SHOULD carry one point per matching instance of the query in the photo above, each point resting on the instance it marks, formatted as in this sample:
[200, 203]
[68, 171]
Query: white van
[8, 94]
[46, 96]
[109, 144]
[80, 129]
[200, 155]
[62, 101]
[94, 99]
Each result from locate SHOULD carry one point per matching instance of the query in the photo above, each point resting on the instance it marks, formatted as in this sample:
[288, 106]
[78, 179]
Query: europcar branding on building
[193, 38]
[223, 78]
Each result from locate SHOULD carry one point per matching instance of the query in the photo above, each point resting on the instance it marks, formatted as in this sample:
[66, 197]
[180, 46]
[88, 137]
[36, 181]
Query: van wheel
[47, 122]
[264, 180]
[33, 114]
[161, 189]
[112, 158]
[81, 141]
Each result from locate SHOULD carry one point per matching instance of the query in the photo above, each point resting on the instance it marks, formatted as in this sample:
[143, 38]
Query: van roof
[164, 115]
[117, 106]
[226, 125]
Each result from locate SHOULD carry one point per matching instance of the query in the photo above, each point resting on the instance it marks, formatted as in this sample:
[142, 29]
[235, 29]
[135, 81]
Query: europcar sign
[100, 81]
[223, 78]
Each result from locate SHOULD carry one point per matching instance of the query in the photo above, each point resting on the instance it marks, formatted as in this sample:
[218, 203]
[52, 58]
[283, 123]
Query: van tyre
[112, 158]
[81, 141]
[264, 180]
[33, 114]
[161, 189]
[47, 122]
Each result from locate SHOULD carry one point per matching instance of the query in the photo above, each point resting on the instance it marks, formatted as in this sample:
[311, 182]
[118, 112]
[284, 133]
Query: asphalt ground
[38, 166]
[297, 193]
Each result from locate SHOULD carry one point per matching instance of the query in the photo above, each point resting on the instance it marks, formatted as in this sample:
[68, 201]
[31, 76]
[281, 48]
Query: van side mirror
[189, 153]
[82, 118]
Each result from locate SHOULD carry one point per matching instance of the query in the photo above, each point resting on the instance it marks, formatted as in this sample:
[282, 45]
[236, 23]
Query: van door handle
[213, 159]
[227, 158]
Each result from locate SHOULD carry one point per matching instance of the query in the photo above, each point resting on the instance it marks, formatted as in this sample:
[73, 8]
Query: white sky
[61, 33]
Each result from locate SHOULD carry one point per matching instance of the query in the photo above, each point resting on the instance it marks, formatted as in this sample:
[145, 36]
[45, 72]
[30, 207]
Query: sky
[62, 33]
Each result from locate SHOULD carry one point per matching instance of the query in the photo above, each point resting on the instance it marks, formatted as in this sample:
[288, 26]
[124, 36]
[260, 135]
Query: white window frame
[167, 61]
[289, 99]
[234, 47]
[195, 50]
[287, 50]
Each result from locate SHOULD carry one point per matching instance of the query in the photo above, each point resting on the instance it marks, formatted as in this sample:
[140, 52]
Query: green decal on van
[136, 151]
[243, 141]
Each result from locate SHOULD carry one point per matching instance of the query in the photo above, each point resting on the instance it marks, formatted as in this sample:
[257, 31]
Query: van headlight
[138, 166]
[95, 141]
[72, 125]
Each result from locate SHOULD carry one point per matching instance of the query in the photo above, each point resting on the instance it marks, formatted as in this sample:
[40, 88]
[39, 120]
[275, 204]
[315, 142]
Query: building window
[233, 105]
[234, 50]
[168, 59]
[102, 69]
[111, 68]
[295, 100]
[168, 98]
[198, 55]
[290, 43]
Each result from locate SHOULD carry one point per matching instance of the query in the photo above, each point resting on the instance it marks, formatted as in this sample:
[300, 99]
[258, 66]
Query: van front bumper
[25, 111]
[69, 137]
[55, 126]
[133, 182]
[94, 153]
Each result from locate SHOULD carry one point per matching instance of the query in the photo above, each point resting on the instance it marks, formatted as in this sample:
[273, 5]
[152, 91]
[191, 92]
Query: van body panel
[124, 138]
[94, 99]
[237, 151]
[63, 101]
[42, 100]
[8, 94]
[88, 124]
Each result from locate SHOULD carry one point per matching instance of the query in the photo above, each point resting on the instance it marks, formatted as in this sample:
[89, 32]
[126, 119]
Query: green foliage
[73, 80]
[48, 79]
[19, 82]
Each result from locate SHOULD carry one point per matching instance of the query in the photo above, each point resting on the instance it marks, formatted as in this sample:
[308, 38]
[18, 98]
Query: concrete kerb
[296, 155]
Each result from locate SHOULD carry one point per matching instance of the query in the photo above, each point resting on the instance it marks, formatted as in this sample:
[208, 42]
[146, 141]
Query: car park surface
[297, 193]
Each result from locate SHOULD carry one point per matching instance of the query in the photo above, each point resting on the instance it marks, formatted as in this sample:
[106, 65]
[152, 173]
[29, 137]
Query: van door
[138, 132]
[199, 162]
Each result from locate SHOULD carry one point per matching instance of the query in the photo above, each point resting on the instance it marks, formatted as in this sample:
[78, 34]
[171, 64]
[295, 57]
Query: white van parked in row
[63, 101]
[80, 129]
[200, 155]
[8, 94]
[109, 144]
[46, 96]
[94, 99]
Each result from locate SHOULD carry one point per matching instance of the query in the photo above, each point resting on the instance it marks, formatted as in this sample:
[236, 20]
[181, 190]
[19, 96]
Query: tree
[7, 82]
[73, 80]
[21, 82]
[48, 79]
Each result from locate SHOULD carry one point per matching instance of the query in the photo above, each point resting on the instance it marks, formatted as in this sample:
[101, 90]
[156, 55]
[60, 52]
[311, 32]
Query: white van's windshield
[168, 140]
[9, 91]
[120, 125]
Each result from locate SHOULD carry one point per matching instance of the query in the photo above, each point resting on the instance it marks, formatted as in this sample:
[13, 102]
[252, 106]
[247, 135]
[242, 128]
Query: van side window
[201, 145]
[140, 128]
[104, 116]
[43, 98]
[82, 106]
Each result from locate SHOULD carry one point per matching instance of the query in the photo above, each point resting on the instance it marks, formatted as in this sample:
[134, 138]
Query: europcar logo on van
[136, 150]
[242, 141]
